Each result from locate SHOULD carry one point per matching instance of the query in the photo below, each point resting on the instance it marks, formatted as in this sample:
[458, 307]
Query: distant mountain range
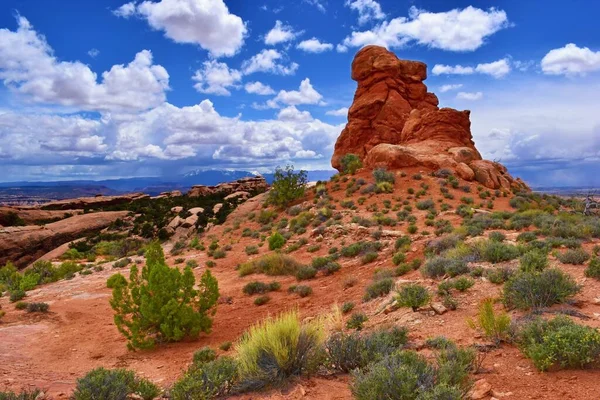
[37, 192]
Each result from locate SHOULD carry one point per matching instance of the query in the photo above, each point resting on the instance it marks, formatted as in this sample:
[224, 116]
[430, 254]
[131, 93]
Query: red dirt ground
[78, 334]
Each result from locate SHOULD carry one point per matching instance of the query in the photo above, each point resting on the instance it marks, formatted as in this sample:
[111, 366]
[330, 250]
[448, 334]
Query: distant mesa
[395, 123]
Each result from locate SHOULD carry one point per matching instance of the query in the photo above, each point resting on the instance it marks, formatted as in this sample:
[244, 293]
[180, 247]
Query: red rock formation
[92, 202]
[249, 184]
[24, 244]
[395, 123]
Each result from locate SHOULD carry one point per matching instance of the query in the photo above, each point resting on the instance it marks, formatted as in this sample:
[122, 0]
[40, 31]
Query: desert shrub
[287, 186]
[122, 263]
[115, 384]
[426, 205]
[534, 260]
[369, 257]
[495, 326]
[497, 236]
[24, 395]
[378, 288]
[356, 321]
[161, 304]
[463, 283]
[526, 290]
[16, 295]
[412, 229]
[593, 269]
[207, 381]
[262, 300]
[37, 307]
[204, 355]
[526, 237]
[300, 290]
[406, 375]
[350, 163]
[251, 249]
[305, 272]
[278, 348]
[439, 266]
[496, 252]
[260, 287]
[346, 352]
[29, 282]
[413, 296]
[381, 175]
[573, 256]
[498, 275]
[347, 307]
[276, 241]
[271, 264]
[560, 343]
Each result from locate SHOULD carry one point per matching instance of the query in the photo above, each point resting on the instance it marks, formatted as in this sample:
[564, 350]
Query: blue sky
[99, 89]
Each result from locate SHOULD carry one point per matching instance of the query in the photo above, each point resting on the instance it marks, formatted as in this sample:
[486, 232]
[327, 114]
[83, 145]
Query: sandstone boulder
[248, 184]
[395, 123]
[24, 244]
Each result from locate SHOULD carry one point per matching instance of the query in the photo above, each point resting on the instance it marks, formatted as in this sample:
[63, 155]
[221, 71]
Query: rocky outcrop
[249, 184]
[24, 244]
[31, 215]
[394, 122]
[93, 202]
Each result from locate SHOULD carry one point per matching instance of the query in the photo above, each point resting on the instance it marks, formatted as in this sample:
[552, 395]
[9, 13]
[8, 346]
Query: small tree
[350, 163]
[287, 186]
[160, 304]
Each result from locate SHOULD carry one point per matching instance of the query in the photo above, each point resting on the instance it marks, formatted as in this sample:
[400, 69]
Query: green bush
[406, 375]
[271, 264]
[573, 256]
[498, 275]
[437, 267]
[260, 287]
[26, 395]
[463, 283]
[413, 296]
[37, 307]
[347, 307]
[207, 381]
[203, 356]
[350, 163]
[278, 348]
[16, 295]
[560, 343]
[116, 384]
[496, 252]
[287, 186]
[276, 241]
[534, 260]
[300, 290]
[29, 282]
[378, 288]
[262, 300]
[306, 272]
[161, 304]
[526, 290]
[495, 326]
[122, 263]
[381, 175]
[356, 321]
[369, 257]
[593, 269]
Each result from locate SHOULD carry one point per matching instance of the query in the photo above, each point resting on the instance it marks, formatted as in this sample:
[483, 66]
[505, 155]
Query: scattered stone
[177, 209]
[480, 389]
[439, 308]
[196, 210]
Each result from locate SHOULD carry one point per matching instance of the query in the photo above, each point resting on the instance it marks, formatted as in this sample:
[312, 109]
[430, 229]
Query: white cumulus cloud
[454, 30]
[28, 67]
[314, 45]
[215, 78]
[207, 23]
[258, 88]
[268, 60]
[305, 95]
[497, 69]
[340, 112]
[469, 96]
[280, 34]
[367, 10]
[571, 60]
[447, 88]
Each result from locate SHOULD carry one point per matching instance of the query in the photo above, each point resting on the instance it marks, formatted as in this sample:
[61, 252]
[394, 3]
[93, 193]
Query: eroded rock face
[395, 123]
[249, 184]
[93, 202]
[25, 244]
